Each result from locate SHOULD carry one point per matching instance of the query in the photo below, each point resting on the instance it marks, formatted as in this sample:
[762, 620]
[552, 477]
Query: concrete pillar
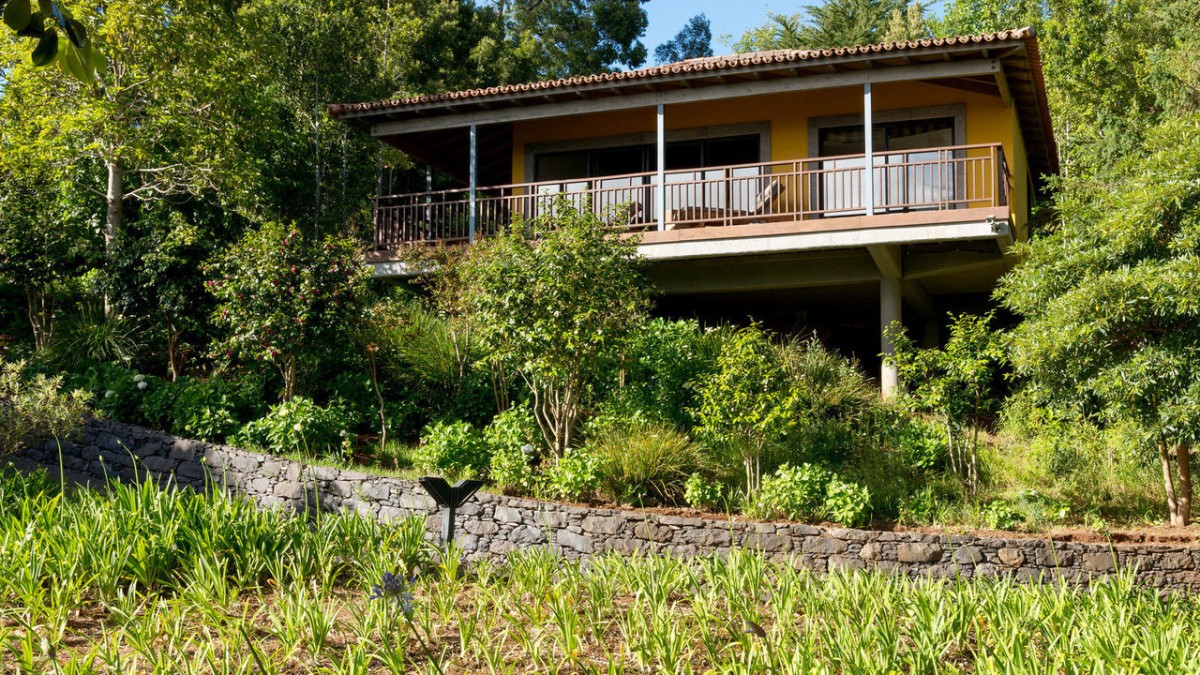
[868, 152]
[474, 178]
[660, 149]
[890, 301]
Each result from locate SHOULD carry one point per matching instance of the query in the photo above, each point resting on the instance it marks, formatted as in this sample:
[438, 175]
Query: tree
[834, 23]
[282, 296]
[907, 26]
[75, 56]
[162, 118]
[955, 383]
[694, 41]
[555, 308]
[1111, 316]
[559, 38]
[748, 403]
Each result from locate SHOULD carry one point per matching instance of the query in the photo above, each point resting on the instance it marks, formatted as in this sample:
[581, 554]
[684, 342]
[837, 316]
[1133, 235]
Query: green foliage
[555, 310]
[34, 408]
[644, 462]
[90, 335]
[847, 503]
[1110, 314]
[299, 426]
[662, 361]
[956, 383]
[510, 439]
[748, 403]
[792, 492]
[922, 444]
[212, 409]
[1000, 515]
[452, 448]
[74, 53]
[693, 41]
[574, 477]
[807, 492]
[831, 24]
[282, 297]
[702, 493]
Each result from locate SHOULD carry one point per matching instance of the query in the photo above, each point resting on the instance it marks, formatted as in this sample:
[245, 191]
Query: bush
[921, 445]
[452, 448]
[663, 360]
[35, 408]
[808, 492]
[703, 494]
[644, 462]
[210, 409]
[846, 503]
[117, 392]
[574, 477]
[299, 425]
[795, 493]
[510, 439]
[1000, 515]
[92, 335]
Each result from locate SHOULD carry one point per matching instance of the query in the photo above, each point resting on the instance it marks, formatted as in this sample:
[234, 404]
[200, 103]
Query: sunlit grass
[140, 579]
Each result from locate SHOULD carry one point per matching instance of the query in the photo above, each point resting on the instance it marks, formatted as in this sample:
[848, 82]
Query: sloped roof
[1016, 49]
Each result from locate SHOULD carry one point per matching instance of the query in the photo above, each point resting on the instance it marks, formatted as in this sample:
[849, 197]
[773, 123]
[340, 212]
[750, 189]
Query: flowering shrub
[281, 296]
[299, 425]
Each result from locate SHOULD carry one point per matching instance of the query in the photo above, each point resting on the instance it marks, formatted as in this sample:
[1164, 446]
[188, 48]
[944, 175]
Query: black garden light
[449, 498]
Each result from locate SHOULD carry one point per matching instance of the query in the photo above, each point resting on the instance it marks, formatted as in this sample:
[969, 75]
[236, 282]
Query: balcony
[930, 185]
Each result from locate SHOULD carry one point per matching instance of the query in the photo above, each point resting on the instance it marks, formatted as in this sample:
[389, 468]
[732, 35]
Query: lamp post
[449, 498]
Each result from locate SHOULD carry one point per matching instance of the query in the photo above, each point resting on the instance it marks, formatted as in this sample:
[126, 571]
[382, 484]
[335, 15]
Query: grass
[140, 579]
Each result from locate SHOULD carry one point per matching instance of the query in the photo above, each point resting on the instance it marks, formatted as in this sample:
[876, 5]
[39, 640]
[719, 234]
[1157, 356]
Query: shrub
[921, 444]
[846, 503]
[510, 439]
[920, 507]
[92, 335]
[703, 494]
[662, 362]
[555, 310]
[644, 462]
[299, 425]
[575, 476]
[35, 408]
[120, 393]
[282, 296]
[1000, 515]
[793, 492]
[452, 448]
[210, 409]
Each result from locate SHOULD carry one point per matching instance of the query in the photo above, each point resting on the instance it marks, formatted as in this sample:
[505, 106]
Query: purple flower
[397, 589]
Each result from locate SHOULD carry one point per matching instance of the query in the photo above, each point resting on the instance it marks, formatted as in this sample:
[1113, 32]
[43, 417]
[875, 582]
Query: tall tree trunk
[1183, 496]
[41, 315]
[1164, 457]
[114, 201]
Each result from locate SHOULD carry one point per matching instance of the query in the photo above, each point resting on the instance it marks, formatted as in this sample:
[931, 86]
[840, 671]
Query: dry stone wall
[491, 525]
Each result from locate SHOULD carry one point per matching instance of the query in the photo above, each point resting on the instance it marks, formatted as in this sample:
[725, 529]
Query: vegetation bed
[142, 579]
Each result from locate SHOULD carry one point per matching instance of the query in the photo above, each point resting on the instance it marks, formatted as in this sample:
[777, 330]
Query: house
[745, 175]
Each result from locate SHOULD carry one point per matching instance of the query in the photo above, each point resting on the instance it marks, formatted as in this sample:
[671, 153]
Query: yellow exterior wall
[988, 120]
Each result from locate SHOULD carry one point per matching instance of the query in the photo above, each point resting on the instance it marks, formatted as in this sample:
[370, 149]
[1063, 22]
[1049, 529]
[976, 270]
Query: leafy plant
[643, 462]
[281, 296]
[554, 310]
[92, 335]
[747, 403]
[703, 494]
[33, 408]
[510, 438]
[956, 383]
[299, 425]
[792, 492]
[575, 476]
[1000, 515]
[454, 448]
[846, 503]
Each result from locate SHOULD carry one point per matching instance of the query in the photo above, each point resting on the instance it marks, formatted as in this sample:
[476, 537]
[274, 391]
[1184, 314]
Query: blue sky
[728, 17]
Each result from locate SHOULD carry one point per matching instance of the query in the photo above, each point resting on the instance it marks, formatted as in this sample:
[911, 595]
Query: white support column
[474, 186]
[660, 199]
[890, 300]
[868, 151]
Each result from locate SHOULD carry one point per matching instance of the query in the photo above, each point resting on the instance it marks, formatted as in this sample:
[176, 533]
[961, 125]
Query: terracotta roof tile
[709, 64]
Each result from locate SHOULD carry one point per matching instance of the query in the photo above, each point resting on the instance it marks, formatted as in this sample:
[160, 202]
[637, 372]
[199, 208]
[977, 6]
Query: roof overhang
[1006, 64]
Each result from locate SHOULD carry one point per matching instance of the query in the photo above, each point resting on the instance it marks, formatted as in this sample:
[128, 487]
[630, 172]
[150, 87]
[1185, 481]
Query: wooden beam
[728, 91]
[1002, 83]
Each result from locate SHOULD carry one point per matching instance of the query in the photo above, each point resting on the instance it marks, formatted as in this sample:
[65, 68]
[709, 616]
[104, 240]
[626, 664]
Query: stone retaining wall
[492, 525]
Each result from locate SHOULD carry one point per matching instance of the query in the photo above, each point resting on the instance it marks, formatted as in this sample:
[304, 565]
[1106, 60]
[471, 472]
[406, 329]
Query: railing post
[474, 186]
[868, 150]
[661, 154]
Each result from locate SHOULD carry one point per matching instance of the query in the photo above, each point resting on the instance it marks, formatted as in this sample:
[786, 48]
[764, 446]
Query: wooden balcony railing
[933, 179]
